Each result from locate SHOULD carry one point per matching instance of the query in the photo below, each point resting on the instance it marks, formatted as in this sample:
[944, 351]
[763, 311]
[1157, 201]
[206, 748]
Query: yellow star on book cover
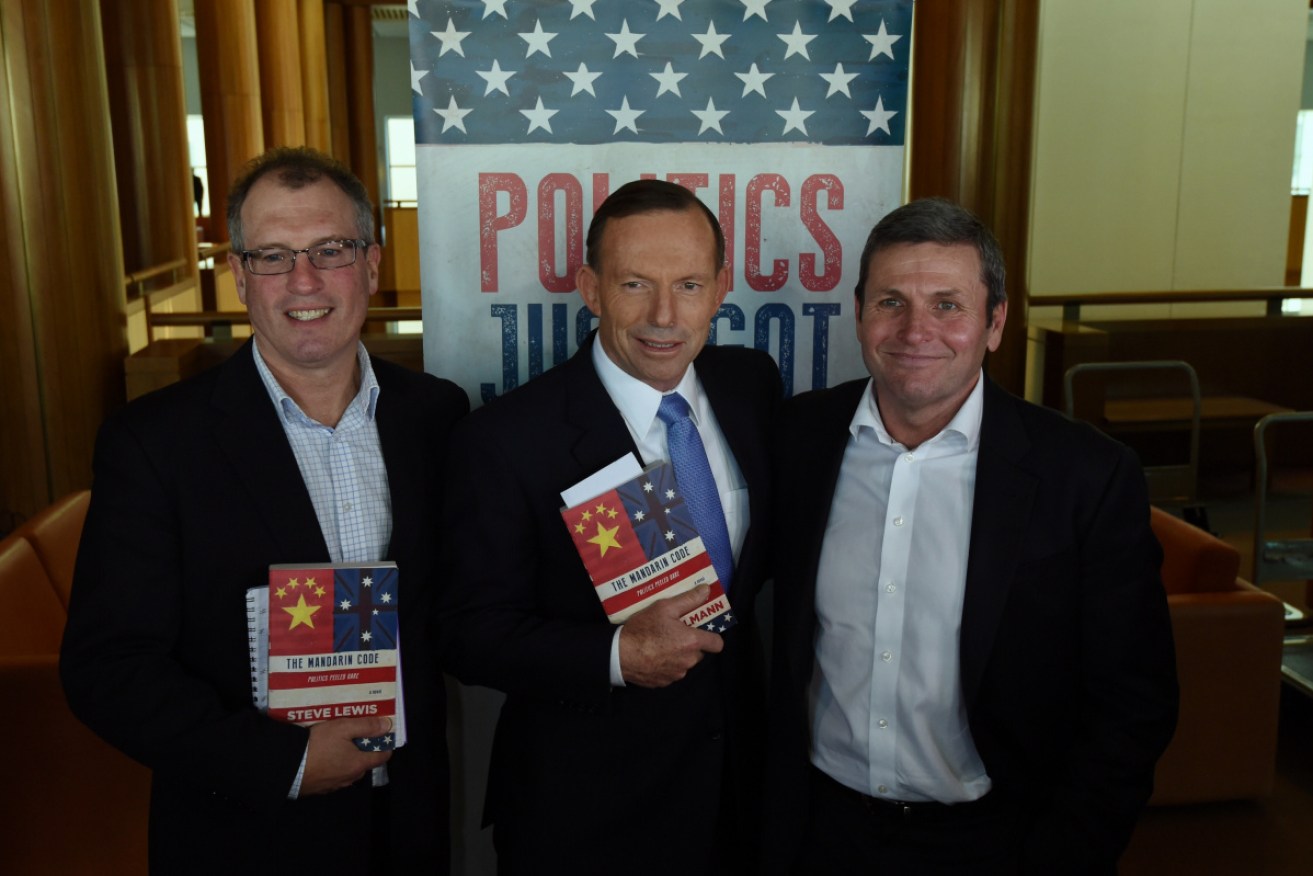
[605, 538]
[302, 613]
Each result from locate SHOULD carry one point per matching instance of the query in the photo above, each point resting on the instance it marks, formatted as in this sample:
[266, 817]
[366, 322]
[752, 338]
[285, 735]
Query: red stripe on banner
[657, 584]
[314, 714]
[331, 677]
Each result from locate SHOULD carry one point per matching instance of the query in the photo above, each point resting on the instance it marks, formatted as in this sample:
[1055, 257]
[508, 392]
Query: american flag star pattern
[660, 71]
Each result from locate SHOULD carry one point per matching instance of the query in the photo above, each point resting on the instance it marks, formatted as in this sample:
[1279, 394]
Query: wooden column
[61, 303]
[973, 98]
[227, 54]
[336, 48]
[360, 91]
[314, 76]
[278, 29]
[143, 61]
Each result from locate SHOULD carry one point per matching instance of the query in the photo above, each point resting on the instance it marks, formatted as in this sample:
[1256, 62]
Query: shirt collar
[366, 399]
[638, 402]
[965, 422]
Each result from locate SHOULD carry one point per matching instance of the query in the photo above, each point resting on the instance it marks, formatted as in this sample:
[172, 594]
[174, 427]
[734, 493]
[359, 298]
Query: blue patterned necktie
[693, 474]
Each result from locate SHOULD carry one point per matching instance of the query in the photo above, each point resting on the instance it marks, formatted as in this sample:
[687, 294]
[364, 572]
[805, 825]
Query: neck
[322, 394]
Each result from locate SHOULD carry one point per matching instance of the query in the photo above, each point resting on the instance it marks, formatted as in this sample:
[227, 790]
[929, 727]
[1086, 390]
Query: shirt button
[898, 521]
[886, 656]
[882, 789]
[346, 506]
[882, 724]
[909, 456]
[890, 587]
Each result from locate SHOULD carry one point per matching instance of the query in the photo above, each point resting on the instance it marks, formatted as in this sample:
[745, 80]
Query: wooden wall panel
[314, 76]
[360, 93]
[143, 54]
[973, 95]
[64, 271]
[228, 55]
[278, 30]
[336, 51]
[23, 484]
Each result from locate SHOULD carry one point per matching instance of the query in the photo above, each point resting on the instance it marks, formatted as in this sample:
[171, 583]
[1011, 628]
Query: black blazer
[589, 775]
[1067, 663]
[196, 493]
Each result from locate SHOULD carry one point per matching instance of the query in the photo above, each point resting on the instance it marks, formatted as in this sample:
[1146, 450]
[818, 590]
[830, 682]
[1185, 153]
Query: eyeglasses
[326, 255]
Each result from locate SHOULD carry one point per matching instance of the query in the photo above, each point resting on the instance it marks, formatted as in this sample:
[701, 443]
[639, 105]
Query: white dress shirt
[638, 404]
[886, 707]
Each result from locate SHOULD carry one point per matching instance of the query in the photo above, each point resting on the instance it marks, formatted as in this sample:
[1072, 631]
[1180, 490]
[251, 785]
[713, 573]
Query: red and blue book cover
[333, 646]
[639, 544]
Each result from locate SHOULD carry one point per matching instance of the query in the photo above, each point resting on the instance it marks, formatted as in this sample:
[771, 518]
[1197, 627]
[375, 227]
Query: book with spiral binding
[331, 648]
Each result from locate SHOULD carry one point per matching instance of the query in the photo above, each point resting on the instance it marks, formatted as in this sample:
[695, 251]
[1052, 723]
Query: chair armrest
[1228, 657]
[69, 779]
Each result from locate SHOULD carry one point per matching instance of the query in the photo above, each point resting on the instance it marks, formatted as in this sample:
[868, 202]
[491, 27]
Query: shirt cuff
[617, 677]
[300, 774]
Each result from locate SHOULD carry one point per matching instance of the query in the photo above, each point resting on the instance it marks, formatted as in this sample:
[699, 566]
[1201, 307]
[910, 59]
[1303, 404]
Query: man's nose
[304, 277]
[662, 311]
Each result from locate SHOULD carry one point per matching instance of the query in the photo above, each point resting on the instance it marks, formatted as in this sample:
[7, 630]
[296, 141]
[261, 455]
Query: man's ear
[585, 279]
[239, 275]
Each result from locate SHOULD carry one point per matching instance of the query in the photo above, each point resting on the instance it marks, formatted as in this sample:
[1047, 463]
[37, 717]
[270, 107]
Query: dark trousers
[852, 834]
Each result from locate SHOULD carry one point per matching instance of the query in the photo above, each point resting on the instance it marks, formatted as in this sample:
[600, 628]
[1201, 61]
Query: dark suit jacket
[592, 778]
[1067, 664]
[196, 493]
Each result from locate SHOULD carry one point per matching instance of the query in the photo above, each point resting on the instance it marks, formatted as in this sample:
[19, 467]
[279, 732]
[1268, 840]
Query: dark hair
[938, 220]
[296, 167]
[648, 196]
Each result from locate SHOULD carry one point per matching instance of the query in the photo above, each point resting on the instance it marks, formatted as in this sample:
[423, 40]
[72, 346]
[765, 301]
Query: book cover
[639, 544]
[333, 646]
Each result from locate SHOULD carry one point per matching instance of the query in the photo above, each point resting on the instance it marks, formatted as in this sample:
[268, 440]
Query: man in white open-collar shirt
[974, 669]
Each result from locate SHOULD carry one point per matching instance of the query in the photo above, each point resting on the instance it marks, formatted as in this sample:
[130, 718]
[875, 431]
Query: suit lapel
[402, 459]
[600, 434]
[250, 434]
[1005, 493]
[738, 423]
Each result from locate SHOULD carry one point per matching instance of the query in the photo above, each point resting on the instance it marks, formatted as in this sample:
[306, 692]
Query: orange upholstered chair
[1228, 655]
[72, 804]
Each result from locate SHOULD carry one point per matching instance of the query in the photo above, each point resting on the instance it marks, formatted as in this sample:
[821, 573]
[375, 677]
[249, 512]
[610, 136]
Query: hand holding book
[334, 759]
[657, 648]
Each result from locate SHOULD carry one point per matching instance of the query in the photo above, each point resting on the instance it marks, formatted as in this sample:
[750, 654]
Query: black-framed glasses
[324, 256]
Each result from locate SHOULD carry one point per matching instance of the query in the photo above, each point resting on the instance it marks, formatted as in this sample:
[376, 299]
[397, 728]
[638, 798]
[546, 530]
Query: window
[196, 156]
[402, 184]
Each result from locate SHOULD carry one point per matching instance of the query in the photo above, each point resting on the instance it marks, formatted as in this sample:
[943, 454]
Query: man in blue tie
[628, 748]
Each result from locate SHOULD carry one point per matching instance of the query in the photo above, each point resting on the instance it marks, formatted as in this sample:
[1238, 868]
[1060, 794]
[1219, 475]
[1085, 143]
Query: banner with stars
[787, 117]
[333, 646]
[639, 544]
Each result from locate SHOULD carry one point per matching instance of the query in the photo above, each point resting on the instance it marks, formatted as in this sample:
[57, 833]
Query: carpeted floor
[1270, 837]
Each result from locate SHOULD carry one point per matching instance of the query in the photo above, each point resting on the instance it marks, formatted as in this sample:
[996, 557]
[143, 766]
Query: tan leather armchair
[71, 803]
[1228, 656]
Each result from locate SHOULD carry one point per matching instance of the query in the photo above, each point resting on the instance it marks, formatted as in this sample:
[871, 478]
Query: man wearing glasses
[298, 449]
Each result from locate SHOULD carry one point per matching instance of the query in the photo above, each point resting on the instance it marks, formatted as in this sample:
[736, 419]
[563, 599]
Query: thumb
[365, 727]
[686, 602]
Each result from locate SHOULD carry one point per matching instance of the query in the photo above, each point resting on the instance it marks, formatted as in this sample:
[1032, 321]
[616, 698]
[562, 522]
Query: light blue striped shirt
[343, 470]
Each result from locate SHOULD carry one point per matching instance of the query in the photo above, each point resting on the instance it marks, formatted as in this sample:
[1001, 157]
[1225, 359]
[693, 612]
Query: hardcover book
[639, 544]
[333, 646]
